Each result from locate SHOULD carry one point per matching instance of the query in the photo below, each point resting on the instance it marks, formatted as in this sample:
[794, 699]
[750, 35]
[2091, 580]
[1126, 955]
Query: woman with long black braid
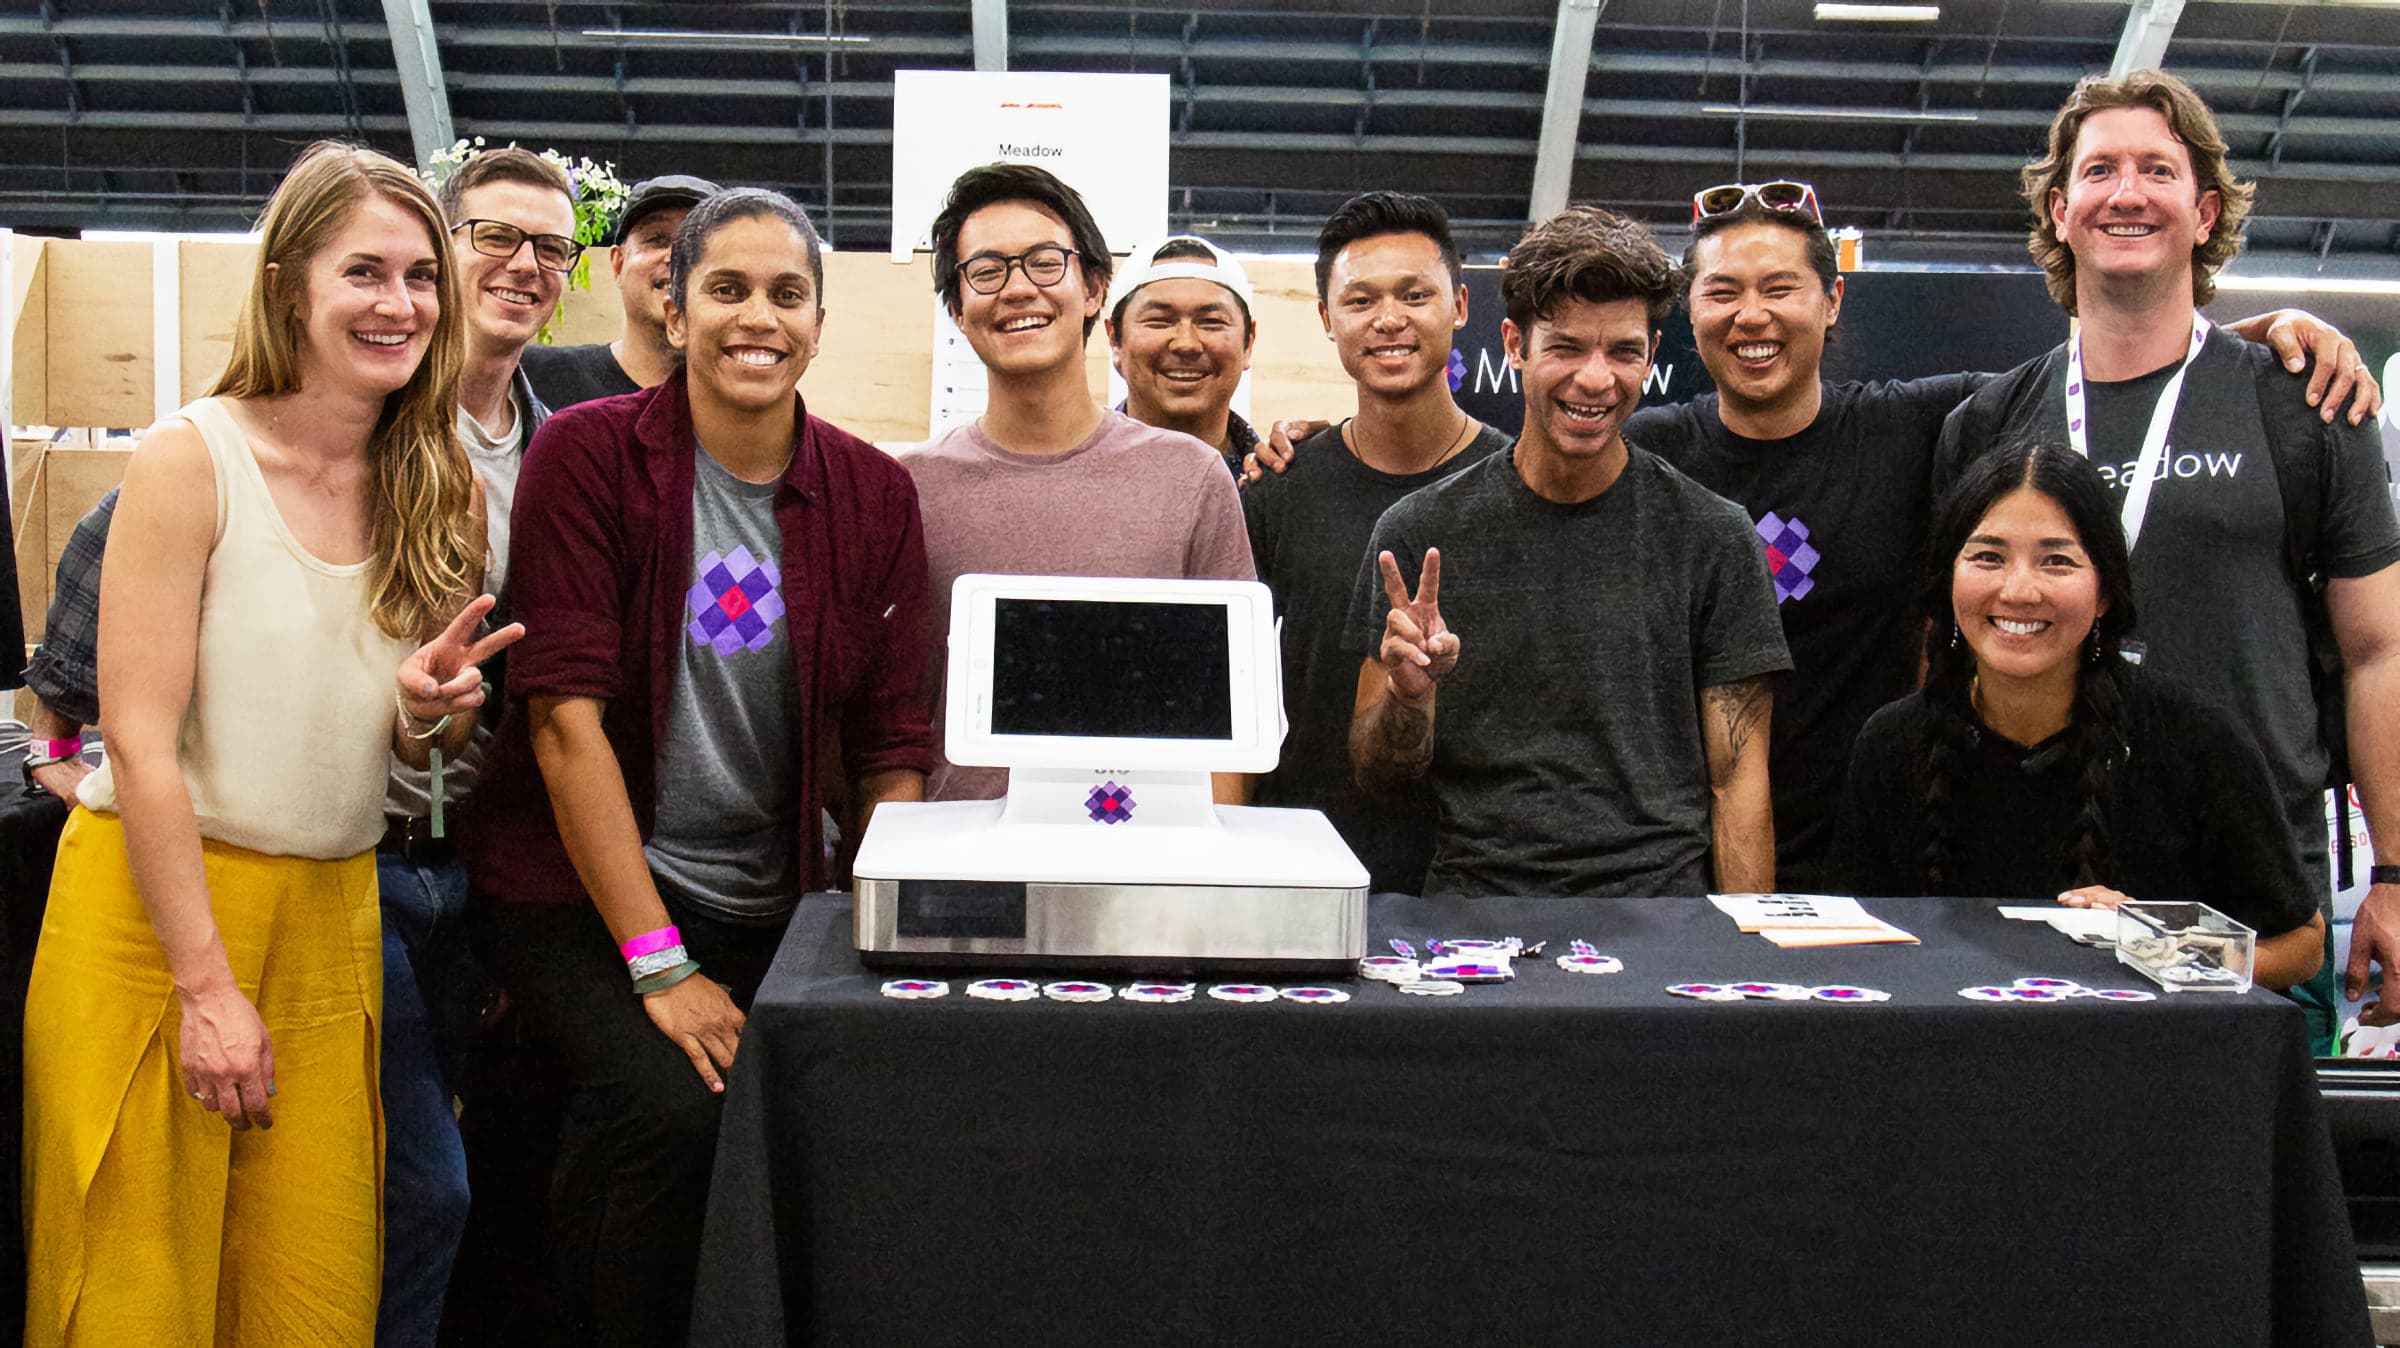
[2038, 761]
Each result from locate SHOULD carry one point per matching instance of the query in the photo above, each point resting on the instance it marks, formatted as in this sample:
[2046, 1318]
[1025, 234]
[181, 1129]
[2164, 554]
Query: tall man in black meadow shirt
[2235, 495]
[1390, 294]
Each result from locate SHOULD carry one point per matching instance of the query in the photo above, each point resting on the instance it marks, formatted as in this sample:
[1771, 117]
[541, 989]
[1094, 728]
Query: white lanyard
[2154, 442]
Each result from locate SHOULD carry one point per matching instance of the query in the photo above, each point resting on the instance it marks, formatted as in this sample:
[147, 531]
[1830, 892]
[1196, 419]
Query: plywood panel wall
[873, 375]
[29, 309]
[1293, 369]
[101, 343]
[216, 282]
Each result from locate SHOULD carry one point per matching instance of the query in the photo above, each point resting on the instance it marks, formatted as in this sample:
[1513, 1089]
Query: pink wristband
[650, 942]
[61, 748]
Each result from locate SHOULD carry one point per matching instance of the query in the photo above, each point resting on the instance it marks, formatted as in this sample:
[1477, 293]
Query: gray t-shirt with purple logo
[726, 787]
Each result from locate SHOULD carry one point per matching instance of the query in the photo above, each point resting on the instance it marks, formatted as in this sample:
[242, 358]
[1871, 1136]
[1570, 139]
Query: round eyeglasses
[1044, 264]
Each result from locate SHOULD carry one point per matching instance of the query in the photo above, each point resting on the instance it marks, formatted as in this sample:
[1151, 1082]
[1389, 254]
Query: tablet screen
[1102, 669]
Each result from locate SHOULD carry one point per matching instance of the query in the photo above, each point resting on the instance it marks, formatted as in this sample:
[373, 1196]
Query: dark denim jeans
[429, 989]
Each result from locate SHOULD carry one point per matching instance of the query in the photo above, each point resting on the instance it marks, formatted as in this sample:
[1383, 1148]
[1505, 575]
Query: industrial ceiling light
[1803, 112]
[1879, 13]
[673, 36]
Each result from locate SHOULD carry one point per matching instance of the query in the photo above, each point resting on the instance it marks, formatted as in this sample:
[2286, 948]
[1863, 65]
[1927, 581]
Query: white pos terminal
[1110, 701]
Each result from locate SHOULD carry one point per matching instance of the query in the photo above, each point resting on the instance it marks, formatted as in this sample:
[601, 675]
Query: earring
[1957, 638]
[2092, 647]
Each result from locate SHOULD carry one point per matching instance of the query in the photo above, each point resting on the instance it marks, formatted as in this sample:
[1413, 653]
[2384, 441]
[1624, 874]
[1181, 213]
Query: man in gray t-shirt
[1599, 629]
[725, 800]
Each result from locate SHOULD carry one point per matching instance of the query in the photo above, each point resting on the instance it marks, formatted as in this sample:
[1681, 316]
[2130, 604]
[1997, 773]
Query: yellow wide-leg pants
[149, 1221]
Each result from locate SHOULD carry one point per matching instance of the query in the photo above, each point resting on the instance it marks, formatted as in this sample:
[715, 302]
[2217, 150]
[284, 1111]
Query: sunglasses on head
[1781, 195]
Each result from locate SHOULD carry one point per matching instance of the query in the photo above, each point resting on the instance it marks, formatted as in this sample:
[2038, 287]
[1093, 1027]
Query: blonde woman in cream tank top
[284, 602]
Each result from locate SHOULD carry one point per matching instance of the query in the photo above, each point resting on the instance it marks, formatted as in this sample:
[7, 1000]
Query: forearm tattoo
[1395, 744]
[1742, 707]
[1407, 733]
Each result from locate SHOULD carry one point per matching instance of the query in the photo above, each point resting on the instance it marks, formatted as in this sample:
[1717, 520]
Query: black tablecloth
[1564, 1158]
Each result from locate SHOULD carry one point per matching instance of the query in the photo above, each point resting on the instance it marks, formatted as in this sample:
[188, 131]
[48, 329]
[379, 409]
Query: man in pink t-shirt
[1046, 481]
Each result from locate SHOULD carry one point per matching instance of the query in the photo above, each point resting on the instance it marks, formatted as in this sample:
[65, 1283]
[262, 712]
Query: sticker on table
[1402, 948]
[1242, 992]
[915, 989]
[1157, 994]
[1005, 989]
[1431, 987]
[1986, 993]
[1591, 964]
[2032, 995]
[1470, 970]
[1509, 945]
[1316, 996]
[1843, 992]
[1704, 992]
[2120, 994]
[1773, 992]
[2065, 985]
[1077, 991]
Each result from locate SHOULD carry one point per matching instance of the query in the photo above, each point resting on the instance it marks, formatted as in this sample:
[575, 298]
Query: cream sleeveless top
[285, 743]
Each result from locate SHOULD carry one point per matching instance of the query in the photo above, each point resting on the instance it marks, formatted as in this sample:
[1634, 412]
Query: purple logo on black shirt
[1109, 804]
[735, 603]
[1790, 556]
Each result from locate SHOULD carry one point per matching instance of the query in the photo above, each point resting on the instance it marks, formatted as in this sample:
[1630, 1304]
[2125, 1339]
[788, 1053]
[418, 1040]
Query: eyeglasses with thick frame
[1044, 264]
[1780, 195]
[498, 238]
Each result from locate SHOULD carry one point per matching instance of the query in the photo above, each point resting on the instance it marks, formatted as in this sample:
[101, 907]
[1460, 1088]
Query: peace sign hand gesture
[1419, 650]
[441, 678]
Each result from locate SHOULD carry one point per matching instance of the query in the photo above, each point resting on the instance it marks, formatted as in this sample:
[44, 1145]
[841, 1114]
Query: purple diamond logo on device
[736, 602]
[1109, 803]
[1790, 556]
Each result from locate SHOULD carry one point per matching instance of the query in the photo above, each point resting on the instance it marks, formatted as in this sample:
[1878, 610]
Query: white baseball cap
[1142, 267]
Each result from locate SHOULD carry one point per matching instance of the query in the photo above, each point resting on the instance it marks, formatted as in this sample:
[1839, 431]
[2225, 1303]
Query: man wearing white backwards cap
[1179, 331]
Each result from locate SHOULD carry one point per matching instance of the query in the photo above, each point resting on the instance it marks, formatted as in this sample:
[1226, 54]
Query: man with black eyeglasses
[512, 217]
[1046, 481]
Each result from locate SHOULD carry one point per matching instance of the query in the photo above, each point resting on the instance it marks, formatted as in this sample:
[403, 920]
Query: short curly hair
[2190, 121]
[1585, 253]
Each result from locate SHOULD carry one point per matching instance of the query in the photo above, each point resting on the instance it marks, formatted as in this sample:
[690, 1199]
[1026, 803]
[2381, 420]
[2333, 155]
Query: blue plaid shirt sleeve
[65, 670]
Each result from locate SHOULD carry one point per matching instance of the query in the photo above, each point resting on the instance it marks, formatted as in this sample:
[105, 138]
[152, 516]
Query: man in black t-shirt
[1834, 479]
[641, 357]
[1390, 295]
[2239, 503]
